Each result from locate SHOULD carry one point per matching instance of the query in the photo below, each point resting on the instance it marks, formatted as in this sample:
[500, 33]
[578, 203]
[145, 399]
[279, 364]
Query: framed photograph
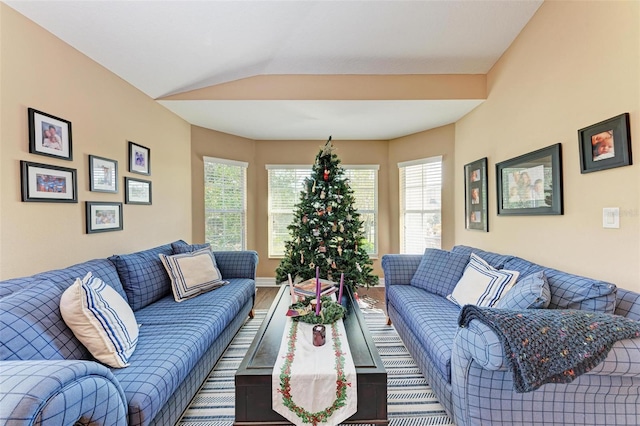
[531, 184]
[475, 194]
[605, 145]
[139, 159]
[103, 216]
[46, 183]
[137, 191]
[103, 174]
[49, 135]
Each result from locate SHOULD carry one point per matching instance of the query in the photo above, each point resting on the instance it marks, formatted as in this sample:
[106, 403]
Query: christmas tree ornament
[341, 228]
[301, 258]
[322, 195]
[334, 227]
[312, 265]
[333, 265]
[329, 209]
[325, 175]
[327, 149]
[316, 232]
[313, 189]
[305, 219]
[340, 250]
[356, 248]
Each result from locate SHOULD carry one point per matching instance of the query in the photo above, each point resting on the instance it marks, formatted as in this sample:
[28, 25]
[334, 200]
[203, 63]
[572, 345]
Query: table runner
[314, 384]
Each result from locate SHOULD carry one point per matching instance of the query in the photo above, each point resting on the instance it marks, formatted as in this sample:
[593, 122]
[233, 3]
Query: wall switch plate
[611, 217]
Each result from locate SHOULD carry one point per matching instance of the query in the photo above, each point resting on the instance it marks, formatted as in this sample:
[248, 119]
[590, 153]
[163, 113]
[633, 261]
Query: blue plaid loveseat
[48, 377]
[467, 368]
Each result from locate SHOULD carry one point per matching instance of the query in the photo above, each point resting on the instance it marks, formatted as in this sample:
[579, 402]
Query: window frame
[402, 166]
[243, 211]
[300, 167]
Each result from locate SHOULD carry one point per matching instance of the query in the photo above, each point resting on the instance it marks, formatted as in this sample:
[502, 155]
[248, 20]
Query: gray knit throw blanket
[551, 345]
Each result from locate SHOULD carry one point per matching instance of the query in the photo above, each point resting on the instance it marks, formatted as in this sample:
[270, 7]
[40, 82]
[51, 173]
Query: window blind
[420, 205]
[225, 196]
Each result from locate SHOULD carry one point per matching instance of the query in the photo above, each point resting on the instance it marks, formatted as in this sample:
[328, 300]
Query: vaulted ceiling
[297, 69]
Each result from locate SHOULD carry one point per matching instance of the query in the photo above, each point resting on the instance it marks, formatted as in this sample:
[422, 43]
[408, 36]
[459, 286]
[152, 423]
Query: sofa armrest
[399, 268]
[237, 264]
[480, 343]
[60, 392]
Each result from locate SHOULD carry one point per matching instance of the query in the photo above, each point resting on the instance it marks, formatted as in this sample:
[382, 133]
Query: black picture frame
[139, 159]
[47, 183]
[475, 195]
[103, 174]
[137, 191]
[531, 184]
[41, 142]
[605, 145]
[103, 216]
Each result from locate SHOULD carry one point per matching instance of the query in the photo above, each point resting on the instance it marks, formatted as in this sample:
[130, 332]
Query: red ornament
[326, 175]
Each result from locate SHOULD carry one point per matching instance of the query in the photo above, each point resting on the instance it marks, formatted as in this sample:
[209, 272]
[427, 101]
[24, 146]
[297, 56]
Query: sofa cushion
[433, 320]
[180, 247]
[439, 271]
[481, 284]
[101, 319]
[173, 338]
[32, 326]
[192, 273]
[143, 276]
[101, 268]
[531, 292]
[569, 291]
[494, 259]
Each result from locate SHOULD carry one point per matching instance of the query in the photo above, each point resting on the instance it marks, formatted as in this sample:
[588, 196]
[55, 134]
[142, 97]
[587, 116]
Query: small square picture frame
[137, 191]
[47, 183]
[139, 159]
[103, 174]
[49, 135]
[103, 216]
[605, 145]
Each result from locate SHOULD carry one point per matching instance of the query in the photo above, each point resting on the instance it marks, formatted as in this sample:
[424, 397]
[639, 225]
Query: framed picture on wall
[49, 135]
[475, 193]
[46, 183]
[103, 174]
[139, 159]
[605, 145]
[531, 184]
[103, 216]
[137, 191]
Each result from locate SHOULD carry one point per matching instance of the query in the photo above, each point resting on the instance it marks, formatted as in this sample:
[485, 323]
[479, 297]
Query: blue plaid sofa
[48, 377]
[466, 366]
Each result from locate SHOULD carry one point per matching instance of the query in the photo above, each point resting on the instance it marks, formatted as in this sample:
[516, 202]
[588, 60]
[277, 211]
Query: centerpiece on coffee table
[321, 309]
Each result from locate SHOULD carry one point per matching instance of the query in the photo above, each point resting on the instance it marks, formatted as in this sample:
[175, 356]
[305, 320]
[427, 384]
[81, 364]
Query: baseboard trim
[271, 282]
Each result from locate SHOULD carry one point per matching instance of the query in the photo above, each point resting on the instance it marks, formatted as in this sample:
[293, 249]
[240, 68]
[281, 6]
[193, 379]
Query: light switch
[611, 217]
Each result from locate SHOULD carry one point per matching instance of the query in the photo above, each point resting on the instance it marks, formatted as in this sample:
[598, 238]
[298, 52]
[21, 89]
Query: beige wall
[573, 65]
[40, 71]
[440, 141]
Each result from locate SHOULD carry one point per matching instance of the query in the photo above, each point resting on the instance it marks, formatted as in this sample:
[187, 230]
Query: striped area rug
[410, 400]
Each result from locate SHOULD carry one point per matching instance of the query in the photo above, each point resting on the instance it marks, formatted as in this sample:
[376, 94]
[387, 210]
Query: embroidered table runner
[314, 384]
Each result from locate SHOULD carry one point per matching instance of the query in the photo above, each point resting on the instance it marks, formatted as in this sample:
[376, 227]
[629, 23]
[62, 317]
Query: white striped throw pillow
[192, 273]
[101, 320]
[481, 284]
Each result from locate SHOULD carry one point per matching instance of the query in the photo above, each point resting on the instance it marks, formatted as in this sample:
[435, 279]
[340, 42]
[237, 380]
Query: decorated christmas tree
[326, 231]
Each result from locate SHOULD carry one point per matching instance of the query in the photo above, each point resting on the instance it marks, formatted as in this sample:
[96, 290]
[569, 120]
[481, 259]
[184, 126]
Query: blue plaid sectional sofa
[48, 377]
[467, 368]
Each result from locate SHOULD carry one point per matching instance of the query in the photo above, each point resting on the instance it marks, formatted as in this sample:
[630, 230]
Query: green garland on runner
[330, 311]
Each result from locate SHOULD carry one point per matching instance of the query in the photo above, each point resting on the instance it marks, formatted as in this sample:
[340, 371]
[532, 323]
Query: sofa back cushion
[496, 260]
[569, 291]
[100, 268]
[628, 304]
[143, 276]
[439, 271]
[32, 326]
[530, 292]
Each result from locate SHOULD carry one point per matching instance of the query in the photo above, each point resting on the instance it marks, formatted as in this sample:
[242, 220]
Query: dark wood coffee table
[253, 378]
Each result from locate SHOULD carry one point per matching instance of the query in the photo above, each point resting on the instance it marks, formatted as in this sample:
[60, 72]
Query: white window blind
[225, 193]
[420, 205]
[285, 183]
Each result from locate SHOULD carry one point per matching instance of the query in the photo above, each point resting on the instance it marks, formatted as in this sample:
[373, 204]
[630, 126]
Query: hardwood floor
[265, 296]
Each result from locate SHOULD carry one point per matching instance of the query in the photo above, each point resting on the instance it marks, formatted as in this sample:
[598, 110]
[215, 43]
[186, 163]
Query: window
[286, 183]
[420, 204]
[225, 204]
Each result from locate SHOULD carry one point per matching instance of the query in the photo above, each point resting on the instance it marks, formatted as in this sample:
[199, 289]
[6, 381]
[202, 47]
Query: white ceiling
[168, 47]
